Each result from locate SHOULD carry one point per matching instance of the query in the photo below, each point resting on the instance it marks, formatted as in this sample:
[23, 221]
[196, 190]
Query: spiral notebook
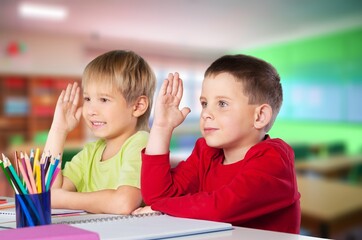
[96, 218]
[142, 226]
[156, 226]
[9, 209]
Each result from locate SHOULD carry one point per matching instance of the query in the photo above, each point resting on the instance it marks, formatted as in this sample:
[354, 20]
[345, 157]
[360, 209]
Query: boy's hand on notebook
[143, 210]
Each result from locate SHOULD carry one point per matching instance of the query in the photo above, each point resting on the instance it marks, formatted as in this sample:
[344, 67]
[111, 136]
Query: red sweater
[258, 192]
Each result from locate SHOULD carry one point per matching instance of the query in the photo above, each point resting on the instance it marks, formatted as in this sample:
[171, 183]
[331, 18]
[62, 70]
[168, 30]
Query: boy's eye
[104, 100]
[203, 104]
[222, 104]
[86, 99]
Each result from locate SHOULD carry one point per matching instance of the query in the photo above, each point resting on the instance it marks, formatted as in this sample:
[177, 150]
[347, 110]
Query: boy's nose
[206, 114]
[91, 110]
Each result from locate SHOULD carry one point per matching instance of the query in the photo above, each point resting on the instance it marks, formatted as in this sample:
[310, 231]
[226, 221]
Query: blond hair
[127, 72]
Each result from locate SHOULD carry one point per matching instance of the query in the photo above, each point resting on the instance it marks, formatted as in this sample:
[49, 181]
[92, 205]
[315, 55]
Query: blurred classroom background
[315, 45]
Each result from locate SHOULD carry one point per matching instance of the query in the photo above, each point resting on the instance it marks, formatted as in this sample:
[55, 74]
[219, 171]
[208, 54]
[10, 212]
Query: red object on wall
[15, 48]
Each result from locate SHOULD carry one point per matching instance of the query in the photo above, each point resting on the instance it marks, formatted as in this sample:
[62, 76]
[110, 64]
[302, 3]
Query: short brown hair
[260, 79]
[127, 72]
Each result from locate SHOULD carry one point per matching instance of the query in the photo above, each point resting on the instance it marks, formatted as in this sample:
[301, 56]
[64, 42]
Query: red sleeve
[264, 184]
[158, 180]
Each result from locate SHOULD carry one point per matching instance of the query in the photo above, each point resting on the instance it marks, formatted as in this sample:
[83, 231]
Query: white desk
[239, 233]
[236, 233]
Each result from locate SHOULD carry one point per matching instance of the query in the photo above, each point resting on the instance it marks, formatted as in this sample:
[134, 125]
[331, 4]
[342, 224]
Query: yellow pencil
[36, 161]
[38, 178]
[36, 170]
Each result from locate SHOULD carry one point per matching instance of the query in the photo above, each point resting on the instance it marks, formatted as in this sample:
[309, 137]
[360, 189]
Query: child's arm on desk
[143, 210]
[66, 117]
[123, 200]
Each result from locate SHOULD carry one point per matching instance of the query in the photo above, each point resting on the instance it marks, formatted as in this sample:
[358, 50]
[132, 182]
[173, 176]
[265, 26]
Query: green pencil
[5, 172]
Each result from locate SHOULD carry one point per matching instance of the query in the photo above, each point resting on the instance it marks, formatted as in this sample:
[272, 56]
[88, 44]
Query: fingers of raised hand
[71, 94]
[169, 84]
[172, 84]
[175, 85]
[68, 90]
[74, 95]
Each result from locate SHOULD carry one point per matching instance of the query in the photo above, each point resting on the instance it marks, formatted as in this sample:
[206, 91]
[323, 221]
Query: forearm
[167, 115]
[167, 182]
[124, 200]
[55, 146]
[159, 140]
[237, 201]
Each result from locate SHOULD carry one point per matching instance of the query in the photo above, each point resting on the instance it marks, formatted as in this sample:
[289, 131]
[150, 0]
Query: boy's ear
[140, 106]
[262, 116]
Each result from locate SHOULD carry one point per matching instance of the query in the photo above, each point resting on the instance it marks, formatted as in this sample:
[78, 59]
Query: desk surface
[328, 199]
[239, 233]
[235, 233]
[329, 164]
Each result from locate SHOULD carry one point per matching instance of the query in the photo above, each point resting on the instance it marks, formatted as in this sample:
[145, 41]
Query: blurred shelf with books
[27, 104]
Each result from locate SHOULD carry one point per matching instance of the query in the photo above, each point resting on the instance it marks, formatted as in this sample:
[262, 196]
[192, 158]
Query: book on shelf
[43, 111]
[16, 106]
[14, 83]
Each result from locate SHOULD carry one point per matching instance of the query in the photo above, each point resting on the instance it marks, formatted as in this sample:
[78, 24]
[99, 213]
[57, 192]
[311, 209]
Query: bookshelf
[27, 105]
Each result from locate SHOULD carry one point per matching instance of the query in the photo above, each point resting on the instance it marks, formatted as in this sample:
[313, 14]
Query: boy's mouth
[96, 123]
[210, 130]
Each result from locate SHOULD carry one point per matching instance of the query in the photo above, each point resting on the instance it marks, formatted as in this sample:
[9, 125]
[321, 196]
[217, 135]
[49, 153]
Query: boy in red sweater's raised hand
[236, 172]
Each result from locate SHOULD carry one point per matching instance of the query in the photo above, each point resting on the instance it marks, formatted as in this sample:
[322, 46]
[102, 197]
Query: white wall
[65, 55]
[42, 55]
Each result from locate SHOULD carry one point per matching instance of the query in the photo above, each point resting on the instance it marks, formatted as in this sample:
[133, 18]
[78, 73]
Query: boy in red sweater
[236, 173]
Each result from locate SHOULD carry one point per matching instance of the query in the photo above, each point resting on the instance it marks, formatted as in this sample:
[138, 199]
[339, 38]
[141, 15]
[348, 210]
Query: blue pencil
[25, 210]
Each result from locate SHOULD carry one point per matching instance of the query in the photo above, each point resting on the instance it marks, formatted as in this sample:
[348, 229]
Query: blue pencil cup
[32, 209]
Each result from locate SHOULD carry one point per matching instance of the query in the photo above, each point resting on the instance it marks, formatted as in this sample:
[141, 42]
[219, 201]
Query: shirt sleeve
[74, 169]
[131, 160]
[159, 180]
[263, 185]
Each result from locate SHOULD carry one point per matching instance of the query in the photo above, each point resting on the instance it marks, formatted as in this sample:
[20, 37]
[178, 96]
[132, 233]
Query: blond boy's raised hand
[67, 112]
[167, 112]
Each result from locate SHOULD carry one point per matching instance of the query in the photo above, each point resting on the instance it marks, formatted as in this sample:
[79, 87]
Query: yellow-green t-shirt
[88, 173]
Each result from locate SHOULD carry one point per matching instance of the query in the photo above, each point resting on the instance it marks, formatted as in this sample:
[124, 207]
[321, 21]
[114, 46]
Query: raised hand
[67, 112]
[167, 112]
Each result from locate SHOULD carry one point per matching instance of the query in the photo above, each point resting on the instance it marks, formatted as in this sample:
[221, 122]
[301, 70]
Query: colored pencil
[30, 173]
[25, 178]
[5, 172]
[55, 173]
[16, 177]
